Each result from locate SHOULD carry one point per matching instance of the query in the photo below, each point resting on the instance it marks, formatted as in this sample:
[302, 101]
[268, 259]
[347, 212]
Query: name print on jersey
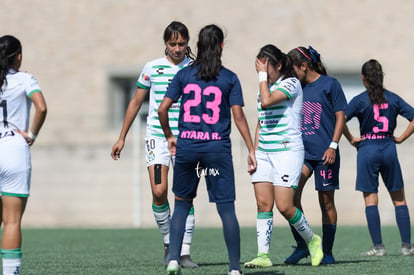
[200, 135]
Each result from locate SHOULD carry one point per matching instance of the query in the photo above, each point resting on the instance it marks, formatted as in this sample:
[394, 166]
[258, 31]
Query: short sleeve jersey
[15, 100]
[321, 100]
[155, 77]
[205, 113]
[280, 123]
[378, 121]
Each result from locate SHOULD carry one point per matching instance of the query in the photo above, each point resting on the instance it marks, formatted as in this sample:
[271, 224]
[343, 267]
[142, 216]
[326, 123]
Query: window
[121, 88]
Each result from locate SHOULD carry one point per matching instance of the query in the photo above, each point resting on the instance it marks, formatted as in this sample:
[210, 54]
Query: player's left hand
[329, 156]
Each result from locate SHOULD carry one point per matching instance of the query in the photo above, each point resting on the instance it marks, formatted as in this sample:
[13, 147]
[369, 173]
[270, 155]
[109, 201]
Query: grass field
[139, 251]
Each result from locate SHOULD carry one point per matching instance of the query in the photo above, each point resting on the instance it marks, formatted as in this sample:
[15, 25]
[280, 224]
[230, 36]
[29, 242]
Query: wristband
[32, 136]
[262, 76]
[333, 145]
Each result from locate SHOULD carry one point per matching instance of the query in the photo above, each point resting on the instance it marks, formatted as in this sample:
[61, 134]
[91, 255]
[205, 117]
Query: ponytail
[10, 48]
[374, 77]
[209, 49]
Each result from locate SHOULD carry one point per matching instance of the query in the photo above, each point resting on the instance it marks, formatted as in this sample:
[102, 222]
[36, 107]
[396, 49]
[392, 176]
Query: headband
[304, 54]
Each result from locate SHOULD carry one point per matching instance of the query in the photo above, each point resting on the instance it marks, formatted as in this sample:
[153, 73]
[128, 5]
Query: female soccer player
[209, 94]
[322, 122]
[18, 91]
[155, 77]
[279, 153]
[377, 110]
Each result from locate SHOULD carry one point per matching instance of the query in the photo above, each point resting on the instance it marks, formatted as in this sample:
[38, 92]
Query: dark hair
[276, 56]
[374, 77]
[209, 49]
[173, 30]
[310, 56]
[10, 48]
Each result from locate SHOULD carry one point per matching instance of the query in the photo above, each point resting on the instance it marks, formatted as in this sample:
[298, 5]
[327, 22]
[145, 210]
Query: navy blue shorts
[376, 158]
[326, 176]
[217, 168]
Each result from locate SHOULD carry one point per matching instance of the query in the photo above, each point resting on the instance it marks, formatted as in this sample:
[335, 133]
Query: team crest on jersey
[151, 156]
[145, 76]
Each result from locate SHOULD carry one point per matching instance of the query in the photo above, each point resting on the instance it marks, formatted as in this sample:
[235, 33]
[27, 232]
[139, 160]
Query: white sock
[162, 218]
[301, 225]
[188, 234]
[11, 266]
[264, 227]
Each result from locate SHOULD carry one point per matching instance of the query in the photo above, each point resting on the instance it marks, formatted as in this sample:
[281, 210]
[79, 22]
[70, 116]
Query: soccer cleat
[407, 250]
[328, 259]
[187, 262]
[166, 253]
[298, 254]
[315, 250]
[235, 272]
[173, 268]
[375, 251]
[262, 260]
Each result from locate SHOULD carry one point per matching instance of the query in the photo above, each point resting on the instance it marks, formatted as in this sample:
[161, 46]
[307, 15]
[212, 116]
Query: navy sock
[300, 242]
[374, 224]
[177, 227]
[328, 238]
[403, 221]
[231, 231]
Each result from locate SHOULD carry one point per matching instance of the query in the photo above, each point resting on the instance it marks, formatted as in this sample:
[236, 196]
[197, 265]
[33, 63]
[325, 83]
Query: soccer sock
[177, 227]
[264, 227]
[231, 232]
[300, 242]
[188, 234]
[374, 224]
[162, 218]
[301, 225]
[12, 260]
[328, 238]
[403, 221]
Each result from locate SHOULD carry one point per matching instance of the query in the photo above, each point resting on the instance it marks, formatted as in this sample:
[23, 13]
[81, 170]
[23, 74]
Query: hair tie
[304, 54]
[315, 55]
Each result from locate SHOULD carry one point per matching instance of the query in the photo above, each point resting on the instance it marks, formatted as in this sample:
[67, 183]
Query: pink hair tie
[304, 54]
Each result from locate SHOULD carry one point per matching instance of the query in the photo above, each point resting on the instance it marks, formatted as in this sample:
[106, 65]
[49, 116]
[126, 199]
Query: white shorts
[15, 166]
[156, 151]
[280, 168]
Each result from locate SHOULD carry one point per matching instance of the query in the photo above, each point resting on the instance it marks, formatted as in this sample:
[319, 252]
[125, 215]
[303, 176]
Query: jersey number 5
[379, 118]
[212, 105]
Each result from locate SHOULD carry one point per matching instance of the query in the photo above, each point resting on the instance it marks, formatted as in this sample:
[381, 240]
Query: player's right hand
[251, 162]
[172, 145]
[116, 149]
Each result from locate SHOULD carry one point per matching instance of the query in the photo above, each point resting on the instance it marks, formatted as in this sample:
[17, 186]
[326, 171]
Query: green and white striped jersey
[155, 77]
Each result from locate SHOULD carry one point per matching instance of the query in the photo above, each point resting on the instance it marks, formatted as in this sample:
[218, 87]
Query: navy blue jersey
[378, 122]
[205, 113]
[321, 99]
